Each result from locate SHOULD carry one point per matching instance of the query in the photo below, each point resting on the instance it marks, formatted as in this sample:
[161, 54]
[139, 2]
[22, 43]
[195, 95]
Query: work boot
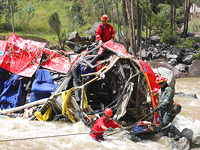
[164, 133]
[177, 137]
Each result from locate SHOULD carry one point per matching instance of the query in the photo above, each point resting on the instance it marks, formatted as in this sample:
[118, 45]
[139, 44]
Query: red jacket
[97, 126]
[108, 33]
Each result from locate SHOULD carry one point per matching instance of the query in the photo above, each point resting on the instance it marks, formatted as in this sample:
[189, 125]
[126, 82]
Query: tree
[152, 3]
[125, 34]
[172, 14]
[138, 25]
[130, 28]
[187, 6]
[133, 26]
[55, 24]
[118, 24]
[13, 28]
[104, 11]
[2, 8]
[147, 5]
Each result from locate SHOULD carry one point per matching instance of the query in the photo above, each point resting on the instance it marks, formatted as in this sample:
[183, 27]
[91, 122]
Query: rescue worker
[177, 107]
[105, 31]
[104, 123]
[165, 108]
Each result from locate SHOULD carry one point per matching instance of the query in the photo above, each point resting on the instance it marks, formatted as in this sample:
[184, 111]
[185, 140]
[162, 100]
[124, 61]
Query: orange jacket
[108, 33]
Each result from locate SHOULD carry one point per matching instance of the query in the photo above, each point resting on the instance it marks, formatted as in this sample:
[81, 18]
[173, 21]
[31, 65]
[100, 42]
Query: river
[22, 128]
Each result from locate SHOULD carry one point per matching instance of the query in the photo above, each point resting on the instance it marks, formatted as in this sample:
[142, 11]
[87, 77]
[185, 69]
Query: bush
[197, 56]
[169, 37]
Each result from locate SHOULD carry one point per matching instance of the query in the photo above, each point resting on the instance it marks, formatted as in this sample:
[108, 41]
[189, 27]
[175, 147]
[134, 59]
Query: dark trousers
[165, 119]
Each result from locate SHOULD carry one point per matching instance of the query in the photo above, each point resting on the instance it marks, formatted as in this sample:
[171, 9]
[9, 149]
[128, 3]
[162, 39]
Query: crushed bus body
[71, 86]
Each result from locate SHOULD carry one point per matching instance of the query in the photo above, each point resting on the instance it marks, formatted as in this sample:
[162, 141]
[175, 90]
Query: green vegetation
[31, 18]
[170, 37]
[197, 56]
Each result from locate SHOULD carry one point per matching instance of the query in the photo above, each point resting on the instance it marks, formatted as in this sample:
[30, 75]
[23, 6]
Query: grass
[194, 25]
[51, 38]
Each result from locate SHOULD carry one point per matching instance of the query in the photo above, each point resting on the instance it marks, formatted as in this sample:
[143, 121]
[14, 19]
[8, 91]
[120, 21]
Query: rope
[133, 125]
[40, 137]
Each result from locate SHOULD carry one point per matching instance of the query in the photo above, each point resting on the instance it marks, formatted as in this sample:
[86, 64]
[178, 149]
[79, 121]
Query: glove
[122, 129]
[112, 40]
[100, 42]
[110, 129]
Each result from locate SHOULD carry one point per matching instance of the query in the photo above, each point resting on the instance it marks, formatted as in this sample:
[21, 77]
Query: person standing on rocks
[165, 108]
[105, 31]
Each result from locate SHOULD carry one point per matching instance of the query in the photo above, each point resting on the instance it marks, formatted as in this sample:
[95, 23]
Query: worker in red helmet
[165, 108]
[177, 107]
[104, 123]
[105, 31]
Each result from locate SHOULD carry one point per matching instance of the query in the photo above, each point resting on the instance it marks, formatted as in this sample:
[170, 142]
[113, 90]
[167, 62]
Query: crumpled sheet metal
[21, 56]
[56, 62]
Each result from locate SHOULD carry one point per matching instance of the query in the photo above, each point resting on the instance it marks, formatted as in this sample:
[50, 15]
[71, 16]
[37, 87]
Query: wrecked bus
[79, 86]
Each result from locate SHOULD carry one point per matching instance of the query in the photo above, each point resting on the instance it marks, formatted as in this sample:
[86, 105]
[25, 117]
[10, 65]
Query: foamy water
[22, 128]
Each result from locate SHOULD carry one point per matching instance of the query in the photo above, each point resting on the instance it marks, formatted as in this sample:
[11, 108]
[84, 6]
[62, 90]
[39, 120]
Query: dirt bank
[5, 38]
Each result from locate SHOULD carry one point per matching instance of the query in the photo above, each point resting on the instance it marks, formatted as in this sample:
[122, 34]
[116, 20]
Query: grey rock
[172, 62]
[155, 40]
[193, 95]
[144, 54]
[181, 144]
[155, 50]
[70, 44]
[74, 37]
[194, 68]
[180, 67]
[196, 140]
[187, 59]
[178, 52]
[161, 63]
[157, 45]
[93, 29]
[171, 56]
[167, 73]
[188, 133]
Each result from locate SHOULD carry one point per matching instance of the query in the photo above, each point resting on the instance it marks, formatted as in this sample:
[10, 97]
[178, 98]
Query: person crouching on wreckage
[104, 123]
[165, 109]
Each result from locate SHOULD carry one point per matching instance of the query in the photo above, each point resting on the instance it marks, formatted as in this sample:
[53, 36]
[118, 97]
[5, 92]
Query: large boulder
[167, 73]
[171, 56]
[162, 63]
[188, 133]
[194, 68]
[178, 52]
[93, 29]
[181, 144]
[187, 59]
[181, 67]
[74, 37]
[154, 40]
[144, 54]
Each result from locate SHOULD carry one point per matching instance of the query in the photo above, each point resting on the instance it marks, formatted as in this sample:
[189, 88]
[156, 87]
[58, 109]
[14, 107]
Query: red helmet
[105, 17]
[155, 91]
[108, 112]
[160, 79]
